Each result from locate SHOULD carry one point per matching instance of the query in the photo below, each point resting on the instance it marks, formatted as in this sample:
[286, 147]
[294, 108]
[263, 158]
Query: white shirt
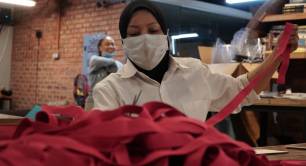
[188, 85]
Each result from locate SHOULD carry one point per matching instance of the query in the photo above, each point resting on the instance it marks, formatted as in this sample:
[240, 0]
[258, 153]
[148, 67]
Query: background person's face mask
[146, 51]
[108, 54]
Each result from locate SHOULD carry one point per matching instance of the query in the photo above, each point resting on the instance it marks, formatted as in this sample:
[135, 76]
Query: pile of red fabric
[155, 134]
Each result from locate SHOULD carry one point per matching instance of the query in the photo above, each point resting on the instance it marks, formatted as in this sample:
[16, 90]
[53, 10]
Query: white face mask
[146, 51]
[108, 54]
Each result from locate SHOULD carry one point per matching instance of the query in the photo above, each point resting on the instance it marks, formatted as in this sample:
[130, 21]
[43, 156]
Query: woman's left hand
[294, 39]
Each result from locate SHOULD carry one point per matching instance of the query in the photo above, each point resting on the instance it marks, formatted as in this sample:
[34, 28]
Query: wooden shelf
[281, 102]
[294, 55]
[284, 17]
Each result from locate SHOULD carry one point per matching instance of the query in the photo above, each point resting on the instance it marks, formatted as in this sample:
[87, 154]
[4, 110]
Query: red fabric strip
[284, 67]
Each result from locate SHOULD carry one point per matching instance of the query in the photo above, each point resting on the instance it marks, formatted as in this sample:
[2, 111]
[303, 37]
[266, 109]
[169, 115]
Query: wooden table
[280, 102]
[266, 105]
[8, 124]
[293, 154]
[9, 119]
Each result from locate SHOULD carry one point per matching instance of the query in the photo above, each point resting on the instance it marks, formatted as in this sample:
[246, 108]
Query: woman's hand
[293, 42]
[294, 39]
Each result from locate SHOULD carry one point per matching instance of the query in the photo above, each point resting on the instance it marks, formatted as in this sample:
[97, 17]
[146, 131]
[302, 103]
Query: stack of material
[302, 36]
[275, 32]
[155, 134]
[295, 6]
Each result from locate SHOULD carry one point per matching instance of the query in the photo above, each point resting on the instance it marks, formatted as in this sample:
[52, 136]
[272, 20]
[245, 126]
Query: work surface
[9, 119]
[268, 105]
[281, 102]
[290, 154]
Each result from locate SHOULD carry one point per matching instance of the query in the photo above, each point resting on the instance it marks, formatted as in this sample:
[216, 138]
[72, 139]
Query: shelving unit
[295, 76]
[294, 55]
[284, 17]
[299, 54]
[295, 79]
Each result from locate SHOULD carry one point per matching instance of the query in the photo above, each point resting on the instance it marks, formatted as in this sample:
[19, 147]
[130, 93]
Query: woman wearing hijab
[152, 74]
[101, 65]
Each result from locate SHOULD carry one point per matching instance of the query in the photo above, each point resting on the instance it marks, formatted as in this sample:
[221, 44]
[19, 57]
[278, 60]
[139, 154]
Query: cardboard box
[235, 69]
[205, 54]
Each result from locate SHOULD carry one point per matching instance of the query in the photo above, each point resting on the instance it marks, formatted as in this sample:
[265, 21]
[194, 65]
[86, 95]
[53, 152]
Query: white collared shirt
[188, 85]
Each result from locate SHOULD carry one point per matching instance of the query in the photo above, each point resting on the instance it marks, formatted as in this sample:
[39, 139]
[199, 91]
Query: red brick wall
[55, 77]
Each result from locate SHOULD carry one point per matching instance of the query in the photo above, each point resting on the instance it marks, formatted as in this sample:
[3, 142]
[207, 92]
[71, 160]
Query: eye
[133, 31]
[133, 34]
[154, 30]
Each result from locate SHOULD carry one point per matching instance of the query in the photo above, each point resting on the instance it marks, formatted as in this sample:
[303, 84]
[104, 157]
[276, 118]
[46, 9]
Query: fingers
[296, 27]
[294, 42]
[294, 39]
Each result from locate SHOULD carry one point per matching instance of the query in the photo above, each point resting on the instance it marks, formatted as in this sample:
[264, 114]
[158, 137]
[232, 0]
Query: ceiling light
[240, 1]
[181, 36]
[28, 3]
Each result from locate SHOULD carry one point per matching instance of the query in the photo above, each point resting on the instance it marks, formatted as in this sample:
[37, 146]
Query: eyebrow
[136, 26]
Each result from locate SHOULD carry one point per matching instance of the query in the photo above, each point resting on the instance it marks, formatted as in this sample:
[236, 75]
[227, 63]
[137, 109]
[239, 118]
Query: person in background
[152, 74]
[101, 65]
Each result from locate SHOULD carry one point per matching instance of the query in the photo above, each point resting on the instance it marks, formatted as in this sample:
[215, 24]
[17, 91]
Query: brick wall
[54, 78]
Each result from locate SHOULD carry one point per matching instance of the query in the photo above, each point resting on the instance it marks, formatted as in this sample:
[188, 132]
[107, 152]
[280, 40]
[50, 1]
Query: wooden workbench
[281, 102]
[9, 119]
[266, 105]
[293, 154]
[8, 124]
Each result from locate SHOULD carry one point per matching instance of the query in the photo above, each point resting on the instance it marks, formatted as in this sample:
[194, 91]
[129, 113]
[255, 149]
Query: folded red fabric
[6, 131]
[155, 134]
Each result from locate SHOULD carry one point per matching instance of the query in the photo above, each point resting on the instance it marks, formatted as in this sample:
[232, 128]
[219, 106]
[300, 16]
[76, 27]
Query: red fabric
[284, 67]
[7, 131]
[155, 134]
[288, 163]
[59, 115]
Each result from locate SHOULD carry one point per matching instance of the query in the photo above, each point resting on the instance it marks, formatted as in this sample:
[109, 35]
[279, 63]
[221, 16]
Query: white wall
[6, 39]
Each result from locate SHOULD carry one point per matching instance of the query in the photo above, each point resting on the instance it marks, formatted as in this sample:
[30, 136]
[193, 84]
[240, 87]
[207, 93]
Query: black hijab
[133, 7]
[158, 72]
